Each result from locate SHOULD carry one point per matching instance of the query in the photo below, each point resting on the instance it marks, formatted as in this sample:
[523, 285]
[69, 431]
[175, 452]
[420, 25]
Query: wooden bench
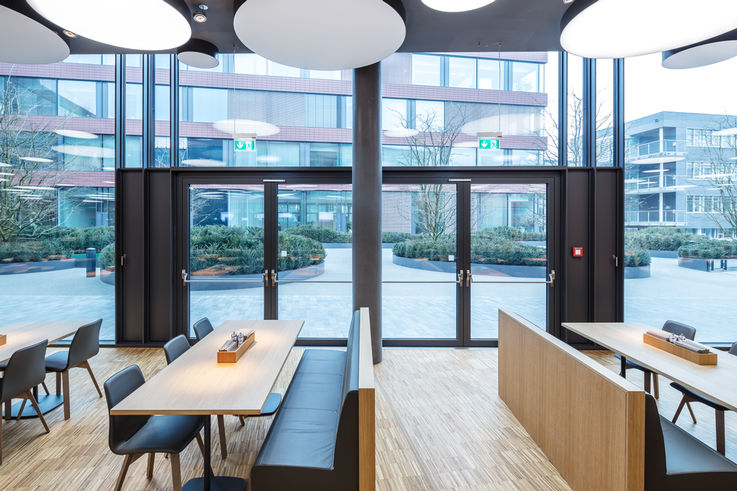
[323, 436]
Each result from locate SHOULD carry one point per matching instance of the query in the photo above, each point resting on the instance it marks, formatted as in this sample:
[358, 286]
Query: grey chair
[85, 345]
[690, 396]
[173, 349]
[135, 436]
[671, 327]
[202, 328]
[24, 370]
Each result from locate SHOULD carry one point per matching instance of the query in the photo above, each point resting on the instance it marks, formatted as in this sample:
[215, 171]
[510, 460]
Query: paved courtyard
[705, 300]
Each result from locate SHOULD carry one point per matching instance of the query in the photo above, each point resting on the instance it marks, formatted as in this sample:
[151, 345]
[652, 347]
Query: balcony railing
[652, 217]
[642, 150]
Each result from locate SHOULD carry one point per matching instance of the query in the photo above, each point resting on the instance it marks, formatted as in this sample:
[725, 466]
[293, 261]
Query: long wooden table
[22, 334]
[196, 384]
[713, 382]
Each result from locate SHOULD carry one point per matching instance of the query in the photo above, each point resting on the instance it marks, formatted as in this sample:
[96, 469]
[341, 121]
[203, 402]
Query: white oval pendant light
[714, 50]
[321, 34]
[456, 5]
[24, 40]
[620, 28]
[144, 26]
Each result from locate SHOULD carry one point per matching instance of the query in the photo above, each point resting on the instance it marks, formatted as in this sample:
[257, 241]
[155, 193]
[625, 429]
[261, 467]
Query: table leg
[208, 482]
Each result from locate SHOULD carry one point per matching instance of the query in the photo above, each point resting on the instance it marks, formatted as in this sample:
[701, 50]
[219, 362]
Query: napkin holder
[232, 356]
[692, 356]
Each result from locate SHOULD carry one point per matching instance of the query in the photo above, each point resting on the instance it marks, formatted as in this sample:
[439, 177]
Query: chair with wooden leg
[672, 327]
[689, 396]
[85, 345]
[25, 370]
[136, 436]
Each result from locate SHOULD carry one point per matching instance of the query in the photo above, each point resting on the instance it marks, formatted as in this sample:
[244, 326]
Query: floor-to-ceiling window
[57, 191]
[680, 196]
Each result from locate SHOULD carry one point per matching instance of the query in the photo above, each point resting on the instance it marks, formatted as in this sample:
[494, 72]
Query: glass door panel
[314, 257]
[419, 264]
[226, 253]
[508, 255]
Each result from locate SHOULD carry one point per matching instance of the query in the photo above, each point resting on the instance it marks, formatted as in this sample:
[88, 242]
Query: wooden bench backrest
[366, 407]
[589, 421]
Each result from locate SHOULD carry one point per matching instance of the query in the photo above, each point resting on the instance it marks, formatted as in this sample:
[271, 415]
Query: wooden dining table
[195, 383]
[22, 334]
[715, 382]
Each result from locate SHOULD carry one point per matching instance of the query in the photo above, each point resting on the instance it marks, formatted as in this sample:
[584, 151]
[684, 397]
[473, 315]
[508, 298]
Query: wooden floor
[440, 425]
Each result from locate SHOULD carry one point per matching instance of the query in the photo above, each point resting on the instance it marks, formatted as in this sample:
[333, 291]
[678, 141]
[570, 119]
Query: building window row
[704, 204]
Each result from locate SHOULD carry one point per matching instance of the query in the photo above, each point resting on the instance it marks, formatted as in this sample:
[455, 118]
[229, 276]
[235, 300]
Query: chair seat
[631, 364]
[3, 366]
[685, 455]
[167, 434]
[693, 395]
[57, 362]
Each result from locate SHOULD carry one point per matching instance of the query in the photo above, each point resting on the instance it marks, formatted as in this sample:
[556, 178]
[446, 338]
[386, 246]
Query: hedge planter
[665, 254]
[515, 271]
[701, 264]
[636, 272]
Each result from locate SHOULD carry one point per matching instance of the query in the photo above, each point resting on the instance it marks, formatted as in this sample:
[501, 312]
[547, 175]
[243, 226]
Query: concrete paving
[704, 300]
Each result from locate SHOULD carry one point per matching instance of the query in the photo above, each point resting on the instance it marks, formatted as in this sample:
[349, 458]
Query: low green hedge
[709, 249]
[55, 243]
[636, 257]
[320, 234]
[484, 250]
[107, 256]
[240, 250]
[510, 233]
[658, 238]
[394, 237]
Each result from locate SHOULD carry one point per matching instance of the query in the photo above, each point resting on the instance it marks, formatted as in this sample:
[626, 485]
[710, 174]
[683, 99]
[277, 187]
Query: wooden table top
[195, 383]
[713, 382]
[22, 334]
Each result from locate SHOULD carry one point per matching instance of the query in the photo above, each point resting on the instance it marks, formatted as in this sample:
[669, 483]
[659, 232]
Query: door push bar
[550, 281]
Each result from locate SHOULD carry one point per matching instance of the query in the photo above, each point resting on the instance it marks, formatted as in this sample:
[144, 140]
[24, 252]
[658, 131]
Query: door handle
[459, 279]
[616, 260]
[266, 278]
[468, 278]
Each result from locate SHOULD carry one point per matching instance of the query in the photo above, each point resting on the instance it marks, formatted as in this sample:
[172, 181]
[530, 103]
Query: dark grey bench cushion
[313, 440]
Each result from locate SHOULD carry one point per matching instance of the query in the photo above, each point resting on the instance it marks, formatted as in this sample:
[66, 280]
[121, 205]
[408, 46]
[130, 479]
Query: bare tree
[29, 176]
[432, 146]
[722, 155]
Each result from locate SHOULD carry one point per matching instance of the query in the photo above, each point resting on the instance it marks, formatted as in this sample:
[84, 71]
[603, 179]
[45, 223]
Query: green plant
[485, 250]
[706, 248]
[321, 234]
[107, 256]
[658, 238]
[394, 237]
[636, 257]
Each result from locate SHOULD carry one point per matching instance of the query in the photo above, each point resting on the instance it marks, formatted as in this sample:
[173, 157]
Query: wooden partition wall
[366, 408]
[589, 421]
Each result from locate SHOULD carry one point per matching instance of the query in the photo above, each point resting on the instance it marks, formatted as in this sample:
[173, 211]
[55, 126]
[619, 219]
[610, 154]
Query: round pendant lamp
[714, 50]
[144, 26]
[456, 5]
[321, 34]
[199, 54]
[24, 40]
[621, 28]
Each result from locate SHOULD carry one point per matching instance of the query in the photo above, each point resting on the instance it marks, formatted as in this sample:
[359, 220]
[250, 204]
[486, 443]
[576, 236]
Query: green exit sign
[488, 144]
[244, 144]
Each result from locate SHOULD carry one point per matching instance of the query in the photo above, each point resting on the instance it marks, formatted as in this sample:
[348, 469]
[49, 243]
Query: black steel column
[367, 197]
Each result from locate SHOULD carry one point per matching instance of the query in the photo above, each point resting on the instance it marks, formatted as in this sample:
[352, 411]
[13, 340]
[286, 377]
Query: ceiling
[520, 25]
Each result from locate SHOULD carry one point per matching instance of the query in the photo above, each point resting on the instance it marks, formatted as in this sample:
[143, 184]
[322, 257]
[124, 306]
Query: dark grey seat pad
[304, 431]
[684, 454]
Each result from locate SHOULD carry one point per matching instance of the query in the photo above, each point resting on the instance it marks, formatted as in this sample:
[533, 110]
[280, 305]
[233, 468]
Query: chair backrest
[85, 343]
[681, 329]
[202, 328]
[733, 349]
[655, 467]
[174, 348]
[117, 388]
[26, 369]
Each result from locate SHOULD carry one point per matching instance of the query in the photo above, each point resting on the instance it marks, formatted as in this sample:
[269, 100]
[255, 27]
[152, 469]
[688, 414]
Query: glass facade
[57, 192]
[680, 196]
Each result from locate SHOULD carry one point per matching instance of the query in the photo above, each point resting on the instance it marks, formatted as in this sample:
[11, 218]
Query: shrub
[510, 233]
[45, 243]
[636, 257]
[107, 256]
[394, 237]
[658, 238]
[484, 250]
[320, 234]
[709, 249]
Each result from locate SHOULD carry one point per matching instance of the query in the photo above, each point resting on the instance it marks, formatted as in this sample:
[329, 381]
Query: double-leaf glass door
[271, 250]
[455, 251]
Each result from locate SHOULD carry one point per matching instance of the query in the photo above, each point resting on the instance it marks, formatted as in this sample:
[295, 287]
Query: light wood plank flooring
[440, 425]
